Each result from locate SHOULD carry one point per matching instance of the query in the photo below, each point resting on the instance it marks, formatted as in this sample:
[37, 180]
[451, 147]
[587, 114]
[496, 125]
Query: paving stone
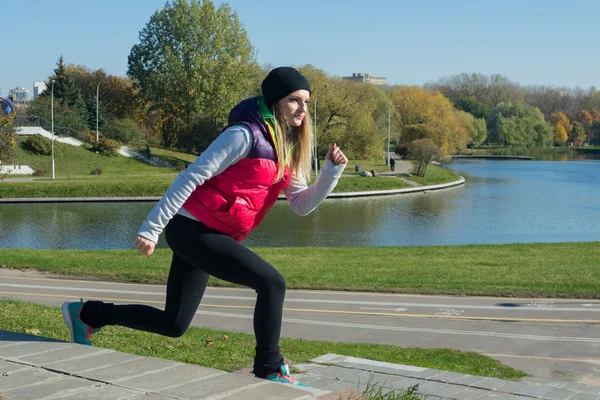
[105, 392]
[348, 374]
[135, 367]
[584, 396]
[25, 378]
[512, 387]
[470, 394]
[405, 383]
[29, 348]
[267, 390]
[559, 394]
[496, 396]
[427, 374]
[489, 383]
[449, 377]
[469, 380]
[535, 390]
[181, 373]
[208, 387]
[8, 367]
[322, 383]
[96, 361]
[61, 354]
[446, 391]
[328, 359]
[53, 387]
[427, 387]
[342, 385]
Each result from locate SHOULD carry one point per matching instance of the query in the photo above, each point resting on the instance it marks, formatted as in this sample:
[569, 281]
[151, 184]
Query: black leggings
[199, 251]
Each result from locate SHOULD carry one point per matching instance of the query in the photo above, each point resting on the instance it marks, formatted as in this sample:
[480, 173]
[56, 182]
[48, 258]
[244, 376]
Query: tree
[473, 107]
[63, 115]
[118, 98]
[91, 109]
[550, 100]
[561, 119]
[577, 136]
[518, 125]
[560, 134]
[346, 115]
[7, 137]
[65, 91]
[584, 118]
[595, 134]
[423, 151]
[428, 114]
[488, 90]
[124, 131]
[194, 61]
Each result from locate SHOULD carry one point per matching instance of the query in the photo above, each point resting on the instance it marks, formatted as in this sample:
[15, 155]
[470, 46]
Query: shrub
[96, 171]
[38, 144]
[39, 172]
[180, 166]
[423, 151]
[107, 147]
[89, 136]
[401, 150]
[124, 130]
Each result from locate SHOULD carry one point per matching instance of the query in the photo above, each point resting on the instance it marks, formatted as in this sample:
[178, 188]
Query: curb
[346, 195]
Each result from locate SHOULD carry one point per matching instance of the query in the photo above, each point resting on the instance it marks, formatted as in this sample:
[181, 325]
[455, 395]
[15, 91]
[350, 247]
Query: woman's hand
[145, 246]
[336, 155]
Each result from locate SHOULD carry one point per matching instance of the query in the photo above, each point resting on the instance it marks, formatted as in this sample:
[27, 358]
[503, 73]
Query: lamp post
[316, 153]
[97, 92]
[387, 158]
[52, 112]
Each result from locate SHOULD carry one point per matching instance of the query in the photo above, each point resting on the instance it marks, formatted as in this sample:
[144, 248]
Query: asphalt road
[548, 338]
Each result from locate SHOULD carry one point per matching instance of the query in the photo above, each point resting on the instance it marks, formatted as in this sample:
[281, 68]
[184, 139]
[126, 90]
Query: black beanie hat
[280, 82]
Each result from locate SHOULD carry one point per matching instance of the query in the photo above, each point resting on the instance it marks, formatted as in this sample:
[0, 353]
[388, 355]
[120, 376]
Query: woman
[214, 204]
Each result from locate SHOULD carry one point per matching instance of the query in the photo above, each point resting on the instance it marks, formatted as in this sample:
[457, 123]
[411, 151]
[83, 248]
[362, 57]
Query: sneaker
[80, 332]
[283, 376]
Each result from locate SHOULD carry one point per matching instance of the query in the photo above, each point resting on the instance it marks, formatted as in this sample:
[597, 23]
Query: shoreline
[373, 193]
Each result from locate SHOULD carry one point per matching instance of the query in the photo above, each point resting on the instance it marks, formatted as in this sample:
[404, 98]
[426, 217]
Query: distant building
[19, 95]
[366, 78]
[38, 88]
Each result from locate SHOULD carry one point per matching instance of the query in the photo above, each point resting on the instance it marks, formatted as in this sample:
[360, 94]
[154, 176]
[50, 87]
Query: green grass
[128, 185]
[435, 175]
[232, 351]
[80, 161]
[93, 187]
[567, 270]
[125, 177]
[360, 184]
[171, 156]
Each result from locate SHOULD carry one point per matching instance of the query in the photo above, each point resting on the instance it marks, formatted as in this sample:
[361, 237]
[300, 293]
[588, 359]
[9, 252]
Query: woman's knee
[175, 330]
[275, 283]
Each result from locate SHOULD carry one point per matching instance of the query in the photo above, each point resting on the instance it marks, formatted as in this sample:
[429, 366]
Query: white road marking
[317, 301]
[419, 330]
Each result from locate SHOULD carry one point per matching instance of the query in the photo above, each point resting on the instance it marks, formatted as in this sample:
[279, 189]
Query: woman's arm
[227, 149]
[303, 198]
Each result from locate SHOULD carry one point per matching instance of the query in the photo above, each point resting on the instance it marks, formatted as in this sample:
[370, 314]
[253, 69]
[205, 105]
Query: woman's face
[294, 106]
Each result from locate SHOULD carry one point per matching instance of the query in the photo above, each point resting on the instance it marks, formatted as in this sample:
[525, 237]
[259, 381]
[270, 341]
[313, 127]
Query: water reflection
[501, 202]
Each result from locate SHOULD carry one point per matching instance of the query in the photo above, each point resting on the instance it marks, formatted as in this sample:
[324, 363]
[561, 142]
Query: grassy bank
[529, 270]
[231, 351]
[127, 184]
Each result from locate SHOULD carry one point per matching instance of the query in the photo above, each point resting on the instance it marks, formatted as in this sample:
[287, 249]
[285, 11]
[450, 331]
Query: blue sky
[410, 42]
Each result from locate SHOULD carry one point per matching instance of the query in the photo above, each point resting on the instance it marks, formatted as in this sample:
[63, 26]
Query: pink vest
[236, 201]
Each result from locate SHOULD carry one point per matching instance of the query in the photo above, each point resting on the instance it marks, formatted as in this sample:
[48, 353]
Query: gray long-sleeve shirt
[232, 145]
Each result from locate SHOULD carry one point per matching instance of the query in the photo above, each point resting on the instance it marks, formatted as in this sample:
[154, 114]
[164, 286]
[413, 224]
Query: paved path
[36, 368]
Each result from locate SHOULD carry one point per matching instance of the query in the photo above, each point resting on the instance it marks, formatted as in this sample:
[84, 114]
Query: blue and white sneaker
[80, 332]
[283, 376]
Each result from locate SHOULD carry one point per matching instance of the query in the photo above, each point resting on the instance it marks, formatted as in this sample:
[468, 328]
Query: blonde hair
[298, 142]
